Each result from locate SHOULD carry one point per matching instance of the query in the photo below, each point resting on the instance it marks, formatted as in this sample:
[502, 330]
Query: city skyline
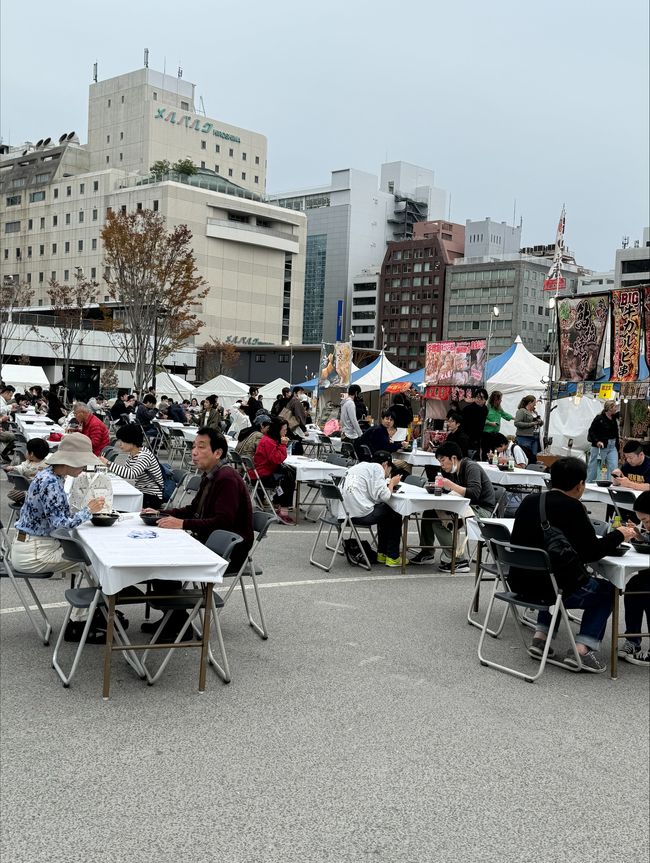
[535, 106]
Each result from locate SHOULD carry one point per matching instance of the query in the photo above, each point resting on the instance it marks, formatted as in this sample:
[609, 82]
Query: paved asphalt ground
[364, 729]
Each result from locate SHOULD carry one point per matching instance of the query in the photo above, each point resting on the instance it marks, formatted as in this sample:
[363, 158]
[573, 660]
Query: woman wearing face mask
[603, 437]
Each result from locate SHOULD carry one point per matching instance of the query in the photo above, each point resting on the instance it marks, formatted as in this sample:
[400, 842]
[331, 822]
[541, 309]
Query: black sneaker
[591, 661]
[462, 565]
[423, 557]
[536, 649]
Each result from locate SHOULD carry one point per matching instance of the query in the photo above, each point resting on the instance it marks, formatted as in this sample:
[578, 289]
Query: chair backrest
[179, 475]
[621, 495]
[365, 451]
[108, 451]
[499, 499]
[20, 482]
[222, 542]
[347, 450]
[72, 549]
[410, 479]
[601, 527]
[520, 556]
[539, 466]
[330, 491]
[491, 531]
[261, 523]
[194, 482]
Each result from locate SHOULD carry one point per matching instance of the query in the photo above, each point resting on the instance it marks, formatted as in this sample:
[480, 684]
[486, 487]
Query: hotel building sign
[187, 121]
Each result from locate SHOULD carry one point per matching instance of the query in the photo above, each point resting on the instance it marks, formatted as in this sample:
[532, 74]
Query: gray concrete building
[633, 263]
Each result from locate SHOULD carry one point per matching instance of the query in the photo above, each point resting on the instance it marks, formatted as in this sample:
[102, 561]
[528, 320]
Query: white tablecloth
[312, 470]
[410, 499]
[25, 421]
[173, 555]
[419, 458]
[518, 476]
[34, 430]
[474, 533]
[619, 570]
[596, 494]
[126, 497]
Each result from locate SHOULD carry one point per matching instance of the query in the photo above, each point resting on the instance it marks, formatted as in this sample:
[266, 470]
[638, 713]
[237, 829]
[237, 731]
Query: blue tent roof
[497, 363]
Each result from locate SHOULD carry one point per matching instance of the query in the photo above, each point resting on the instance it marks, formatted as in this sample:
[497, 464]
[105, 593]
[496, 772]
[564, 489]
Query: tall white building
[54, 197]
[349, 223]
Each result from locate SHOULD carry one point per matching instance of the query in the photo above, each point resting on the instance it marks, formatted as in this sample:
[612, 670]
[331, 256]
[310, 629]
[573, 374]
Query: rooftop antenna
[625, 242]
[449, 209]
[95, 72]
[146, 58]
[202, 106]
[514, 212]
[180, 72]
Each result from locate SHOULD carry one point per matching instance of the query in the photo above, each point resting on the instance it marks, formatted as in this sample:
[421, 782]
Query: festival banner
[398, 387]
[441, 394]
[335, 365]
[582, 322]
[646, 324]
[455, 363]
[554, 280]
[625, 335]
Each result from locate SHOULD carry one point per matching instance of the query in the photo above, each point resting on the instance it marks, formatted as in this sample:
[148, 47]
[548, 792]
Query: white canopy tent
[173, 387]
[269, 391]
[227, 389]
[378, 372]
[24, 377]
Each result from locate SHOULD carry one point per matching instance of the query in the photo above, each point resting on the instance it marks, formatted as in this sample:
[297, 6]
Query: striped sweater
[144, 470]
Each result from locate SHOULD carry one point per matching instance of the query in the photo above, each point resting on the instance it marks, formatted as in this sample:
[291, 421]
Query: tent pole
[552, 359]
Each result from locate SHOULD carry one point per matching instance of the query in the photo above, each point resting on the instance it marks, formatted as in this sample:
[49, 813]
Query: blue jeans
[531, 442]
[599, 458]
[595, 597]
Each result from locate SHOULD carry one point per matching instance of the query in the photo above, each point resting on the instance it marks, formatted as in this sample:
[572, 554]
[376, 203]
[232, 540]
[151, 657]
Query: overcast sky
[543, 102]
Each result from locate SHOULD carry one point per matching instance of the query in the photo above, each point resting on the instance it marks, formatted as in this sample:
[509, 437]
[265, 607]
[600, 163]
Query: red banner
[455, 363]
[399, 387]
[554, 284]
[442, 394]
[626, 335]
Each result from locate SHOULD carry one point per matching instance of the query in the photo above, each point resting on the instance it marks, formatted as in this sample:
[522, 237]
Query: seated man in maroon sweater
[221, 503]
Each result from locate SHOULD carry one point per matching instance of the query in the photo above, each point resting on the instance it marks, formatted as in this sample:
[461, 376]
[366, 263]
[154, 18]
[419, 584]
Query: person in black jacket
[564, 511]
[379, 438]
[603, 437]
[401, 408]
[474, 415]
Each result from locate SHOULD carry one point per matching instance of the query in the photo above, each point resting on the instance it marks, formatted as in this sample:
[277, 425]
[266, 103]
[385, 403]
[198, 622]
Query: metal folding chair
[195, 601]
[90, 599]
[535, 561]
[348, 451]
[336, 517]
[15, 575]
[258, 491]
[500, 533]
[261, 523]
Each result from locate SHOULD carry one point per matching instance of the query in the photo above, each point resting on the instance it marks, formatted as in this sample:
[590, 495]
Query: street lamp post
[494, 313]
[552, 359]
[290, 346]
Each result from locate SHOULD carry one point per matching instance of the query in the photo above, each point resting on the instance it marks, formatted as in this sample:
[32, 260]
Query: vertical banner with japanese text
[646, 322]
[582, 323]
[335, 365]
[626, 335]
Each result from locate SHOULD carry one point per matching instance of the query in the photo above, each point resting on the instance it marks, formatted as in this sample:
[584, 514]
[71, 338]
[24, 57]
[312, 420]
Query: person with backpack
[142, 466]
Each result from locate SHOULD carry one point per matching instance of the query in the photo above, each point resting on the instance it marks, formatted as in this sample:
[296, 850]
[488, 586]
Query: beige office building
[54, 199]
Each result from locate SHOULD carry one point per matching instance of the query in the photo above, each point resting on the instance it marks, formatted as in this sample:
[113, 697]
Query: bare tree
[215, 358]
[68, 302]
[14, 295]
[151, 273]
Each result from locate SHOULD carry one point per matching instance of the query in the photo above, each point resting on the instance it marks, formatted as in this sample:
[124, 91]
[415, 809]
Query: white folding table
[311, 470]
[410, 500]
[121, 561]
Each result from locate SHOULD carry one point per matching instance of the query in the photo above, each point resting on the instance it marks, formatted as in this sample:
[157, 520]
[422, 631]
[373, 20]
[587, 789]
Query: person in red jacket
[91, 426]
[270, 455]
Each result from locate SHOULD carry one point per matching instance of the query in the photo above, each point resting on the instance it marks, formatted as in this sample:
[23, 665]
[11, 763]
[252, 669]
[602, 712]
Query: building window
[55, 193]
[216, 169]
[66, 275]
[53, 275]
[155, 206]
[243, 157]
[108, 159]
[42, 223]
[68, 191]
[217, 148]
[257, 179]
[284, 358]
[93, 272]
[185, 106]
[82, 188]
[29, 278]
[29, 251]
[121, 136]
[121, 157]
[155, 96]
[41, 178]
[257, 160]
[18, 253]
[66, 247]
[14, 200]
[109, 103]
[231, 152]
[67, 218]
[203, 145]
[95, 185]
[94, 216]
[260, 358]
[138, 207]
[243, 175]
[203, 164]
[93, 244]
[41, 250]
[30, 224]
[230, 172]
[122, 99]
[81, 216]
[80, 246]
[55, 221]
[54, 248]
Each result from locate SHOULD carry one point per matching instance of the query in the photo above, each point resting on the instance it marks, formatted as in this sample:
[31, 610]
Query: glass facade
[315, 265]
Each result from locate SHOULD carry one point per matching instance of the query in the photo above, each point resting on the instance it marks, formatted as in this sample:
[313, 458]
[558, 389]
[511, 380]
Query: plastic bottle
[511, 464]
[616, 522]
[603, 472]
[437, 489]
[495, 459]
[414, 445]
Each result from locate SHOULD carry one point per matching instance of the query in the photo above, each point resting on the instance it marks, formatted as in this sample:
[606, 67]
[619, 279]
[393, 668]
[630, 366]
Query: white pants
[40, 554]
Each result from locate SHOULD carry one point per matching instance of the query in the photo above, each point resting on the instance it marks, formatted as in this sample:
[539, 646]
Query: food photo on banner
[646, 321]
[582, 324]
[626, 335]
[335, 365]
[455, 363]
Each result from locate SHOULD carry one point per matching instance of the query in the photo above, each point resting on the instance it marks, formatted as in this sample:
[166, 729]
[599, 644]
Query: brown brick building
[410, 300]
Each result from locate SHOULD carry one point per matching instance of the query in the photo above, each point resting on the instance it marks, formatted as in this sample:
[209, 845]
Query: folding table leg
[613, 660]
[109, 647]
[205, 641]
[405, 540]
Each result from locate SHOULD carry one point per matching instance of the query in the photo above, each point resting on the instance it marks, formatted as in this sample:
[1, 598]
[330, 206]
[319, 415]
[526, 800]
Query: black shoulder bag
[566, 566]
